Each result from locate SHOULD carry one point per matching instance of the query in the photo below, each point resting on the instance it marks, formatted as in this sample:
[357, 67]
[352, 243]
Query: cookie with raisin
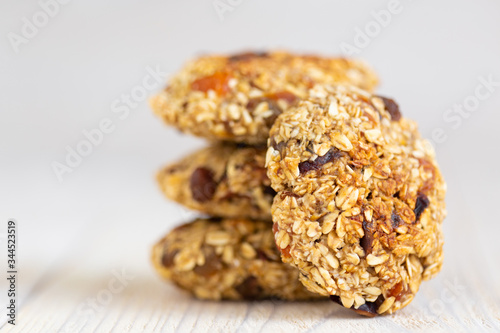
[224, 179]
[360, 199]
[238, 97]
[233, 259]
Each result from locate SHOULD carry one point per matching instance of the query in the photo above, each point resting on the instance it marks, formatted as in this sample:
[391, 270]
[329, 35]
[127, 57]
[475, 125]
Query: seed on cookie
[238, 97]
[373, 191]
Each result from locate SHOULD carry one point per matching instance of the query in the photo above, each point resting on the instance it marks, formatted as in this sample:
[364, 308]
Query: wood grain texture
[461, 299]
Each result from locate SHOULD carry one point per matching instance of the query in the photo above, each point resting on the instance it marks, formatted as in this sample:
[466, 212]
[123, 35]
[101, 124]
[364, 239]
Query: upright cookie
[225, 180]
[237, 98]
[360, 199]
[227, 259]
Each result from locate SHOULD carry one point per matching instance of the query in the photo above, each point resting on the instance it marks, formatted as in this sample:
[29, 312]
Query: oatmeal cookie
[225, 180]
[360, 199]
[238, 97]
[227, 259]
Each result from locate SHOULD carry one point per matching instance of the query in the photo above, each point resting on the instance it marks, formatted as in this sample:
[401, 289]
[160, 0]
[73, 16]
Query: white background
[106, 213]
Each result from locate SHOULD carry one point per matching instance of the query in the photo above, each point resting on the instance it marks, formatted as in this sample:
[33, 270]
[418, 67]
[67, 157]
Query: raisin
[278, 146]
[421, 204]
[366, 241]
[217, 82]
[271, 104]
[211, 266]
[392, 107]
[167, 259]
[249, 289]
[245, 56]
[396, 220]
[369, 309]
[202, 184]
[330, 156]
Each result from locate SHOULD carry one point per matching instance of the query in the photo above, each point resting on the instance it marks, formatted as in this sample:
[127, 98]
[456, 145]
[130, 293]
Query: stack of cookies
[313, 186]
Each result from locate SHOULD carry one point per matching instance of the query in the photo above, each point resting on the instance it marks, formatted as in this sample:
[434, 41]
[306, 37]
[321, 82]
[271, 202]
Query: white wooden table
[459, 300]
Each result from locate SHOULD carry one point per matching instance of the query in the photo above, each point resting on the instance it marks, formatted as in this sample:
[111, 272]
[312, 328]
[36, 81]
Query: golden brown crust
[237, 98]
[224, 180]
[360, 199]
[227, 259]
